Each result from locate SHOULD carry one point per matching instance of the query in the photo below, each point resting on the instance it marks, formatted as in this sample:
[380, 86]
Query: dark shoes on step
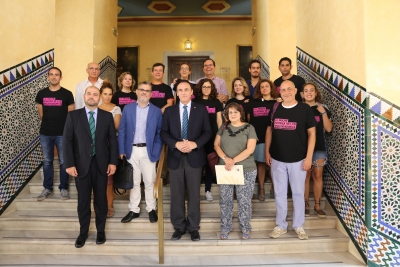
[101, 238]
[177, 234]
[80, 241]
[129, 217]
[153, 216]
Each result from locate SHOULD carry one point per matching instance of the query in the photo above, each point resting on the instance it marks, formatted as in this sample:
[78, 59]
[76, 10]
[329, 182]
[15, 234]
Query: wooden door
[196, 62]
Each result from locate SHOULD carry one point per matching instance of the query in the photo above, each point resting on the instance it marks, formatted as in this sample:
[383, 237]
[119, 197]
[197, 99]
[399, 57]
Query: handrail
[158, 193]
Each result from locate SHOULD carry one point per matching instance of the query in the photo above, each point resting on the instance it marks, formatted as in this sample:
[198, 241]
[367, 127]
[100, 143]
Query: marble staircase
[46, 231]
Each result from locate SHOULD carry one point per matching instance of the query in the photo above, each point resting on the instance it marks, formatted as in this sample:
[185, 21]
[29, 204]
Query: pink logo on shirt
[51, 101]
[125, 101]
[278, 88]
[260, 112]
[192, 97]
[210, 110]
[157, 94]
[317, 118]
[284, 124]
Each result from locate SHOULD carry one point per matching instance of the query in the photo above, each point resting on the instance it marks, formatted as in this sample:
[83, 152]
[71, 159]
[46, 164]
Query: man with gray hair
[93, 71]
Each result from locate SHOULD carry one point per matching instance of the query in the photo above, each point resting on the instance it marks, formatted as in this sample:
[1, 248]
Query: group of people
[263, 123]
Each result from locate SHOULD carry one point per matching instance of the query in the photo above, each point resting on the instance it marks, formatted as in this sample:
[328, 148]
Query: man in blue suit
[185, 129]
[139, 140]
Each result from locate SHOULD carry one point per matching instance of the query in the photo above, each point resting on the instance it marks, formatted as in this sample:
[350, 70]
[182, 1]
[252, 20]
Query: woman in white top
[106, 93]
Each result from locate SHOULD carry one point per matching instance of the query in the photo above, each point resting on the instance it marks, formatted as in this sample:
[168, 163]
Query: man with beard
[254, 69]
[139, 140]
[53, 104]
[285, 66]
[91, 154]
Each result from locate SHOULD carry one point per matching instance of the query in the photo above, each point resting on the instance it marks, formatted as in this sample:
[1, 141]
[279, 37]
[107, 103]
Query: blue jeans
[47, 143]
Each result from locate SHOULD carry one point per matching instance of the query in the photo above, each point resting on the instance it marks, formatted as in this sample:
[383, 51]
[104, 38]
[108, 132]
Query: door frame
[167, 54]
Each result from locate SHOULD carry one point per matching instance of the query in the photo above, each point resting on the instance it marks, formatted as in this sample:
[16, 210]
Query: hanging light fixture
[188, 45]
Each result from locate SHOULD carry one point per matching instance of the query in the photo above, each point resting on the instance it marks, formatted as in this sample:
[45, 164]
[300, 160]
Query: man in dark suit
[185, 129]
[90, 155]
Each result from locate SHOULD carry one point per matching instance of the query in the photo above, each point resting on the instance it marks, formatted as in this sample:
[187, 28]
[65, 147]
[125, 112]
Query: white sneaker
[208, 196]
[277, 232]
[301, 233]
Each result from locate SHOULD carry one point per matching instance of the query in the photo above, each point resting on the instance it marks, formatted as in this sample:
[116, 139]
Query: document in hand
[235, 176]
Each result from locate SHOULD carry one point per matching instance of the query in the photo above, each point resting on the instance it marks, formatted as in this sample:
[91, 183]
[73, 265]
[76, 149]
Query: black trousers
[185, 177]
[98, 182]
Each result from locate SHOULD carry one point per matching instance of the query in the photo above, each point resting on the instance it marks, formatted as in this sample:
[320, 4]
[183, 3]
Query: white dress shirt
[80, 91]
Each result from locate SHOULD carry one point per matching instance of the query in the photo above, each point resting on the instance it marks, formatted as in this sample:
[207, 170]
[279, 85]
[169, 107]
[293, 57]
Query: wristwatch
[223, 158]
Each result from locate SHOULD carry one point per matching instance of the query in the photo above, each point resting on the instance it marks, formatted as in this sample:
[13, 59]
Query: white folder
[233, 177]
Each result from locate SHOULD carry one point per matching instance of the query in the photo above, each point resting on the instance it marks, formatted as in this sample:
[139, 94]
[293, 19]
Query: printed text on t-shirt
[157, 94]
[284, 124]
[125, 101]
[317, 118]
[51, 101]
[260, 112]
[210, 110]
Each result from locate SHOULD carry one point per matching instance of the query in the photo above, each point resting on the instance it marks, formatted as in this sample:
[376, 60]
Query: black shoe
[131, 215]
[194, 235]
[80, 241]
[101, 238]
[177, 234]
[153, 216]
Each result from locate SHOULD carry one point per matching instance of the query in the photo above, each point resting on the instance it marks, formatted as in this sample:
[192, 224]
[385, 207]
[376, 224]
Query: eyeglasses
[209, 65]
[143, 90]
[206, 87]
[92, 69]
[184, 68]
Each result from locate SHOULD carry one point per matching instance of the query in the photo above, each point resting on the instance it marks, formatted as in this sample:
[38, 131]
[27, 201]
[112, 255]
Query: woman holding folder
[235, 143]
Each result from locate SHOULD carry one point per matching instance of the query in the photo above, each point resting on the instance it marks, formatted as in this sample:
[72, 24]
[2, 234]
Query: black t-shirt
[260, 114]
[298, 83]
[320, 143]
[289, 135]
[213, 107]
[121, 99]
[160, 94]
[55, 110]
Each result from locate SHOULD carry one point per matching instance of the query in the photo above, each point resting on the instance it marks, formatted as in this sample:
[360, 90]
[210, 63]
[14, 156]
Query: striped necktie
[92, 127]
[185, 122]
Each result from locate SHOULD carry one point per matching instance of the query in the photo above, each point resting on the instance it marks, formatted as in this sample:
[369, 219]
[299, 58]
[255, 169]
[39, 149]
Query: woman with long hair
[258, 112]
[106, 94]
[240, 92]
[125, 94]
[235, 143]
[206, 94]
[313, 98]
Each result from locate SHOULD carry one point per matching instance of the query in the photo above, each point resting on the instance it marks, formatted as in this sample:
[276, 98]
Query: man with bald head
[90, 155]
[289, 146]
[93, 79]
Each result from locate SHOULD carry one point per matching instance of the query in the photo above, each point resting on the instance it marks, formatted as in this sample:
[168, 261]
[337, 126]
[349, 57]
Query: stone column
[275, 32]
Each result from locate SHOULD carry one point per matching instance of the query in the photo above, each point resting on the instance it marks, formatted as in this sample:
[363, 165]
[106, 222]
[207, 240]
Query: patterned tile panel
[382, 251]
[346, 143]
[385, 172]
[265, 73]
[352, 220]
[20, 153]
[108, 69]
[382, 177]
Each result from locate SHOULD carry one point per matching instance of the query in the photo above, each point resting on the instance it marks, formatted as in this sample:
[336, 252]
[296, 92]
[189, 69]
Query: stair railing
[158, 193]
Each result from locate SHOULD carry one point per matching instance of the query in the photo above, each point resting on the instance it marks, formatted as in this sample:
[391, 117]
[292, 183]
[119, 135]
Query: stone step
[28, 202]
[331, 259]
[65, 220]
[144, 243]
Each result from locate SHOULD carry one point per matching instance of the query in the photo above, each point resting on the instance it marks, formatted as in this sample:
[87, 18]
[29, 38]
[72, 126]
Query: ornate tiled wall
[362, 178]
[108, 69]
[264, 68]
[20, 152]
